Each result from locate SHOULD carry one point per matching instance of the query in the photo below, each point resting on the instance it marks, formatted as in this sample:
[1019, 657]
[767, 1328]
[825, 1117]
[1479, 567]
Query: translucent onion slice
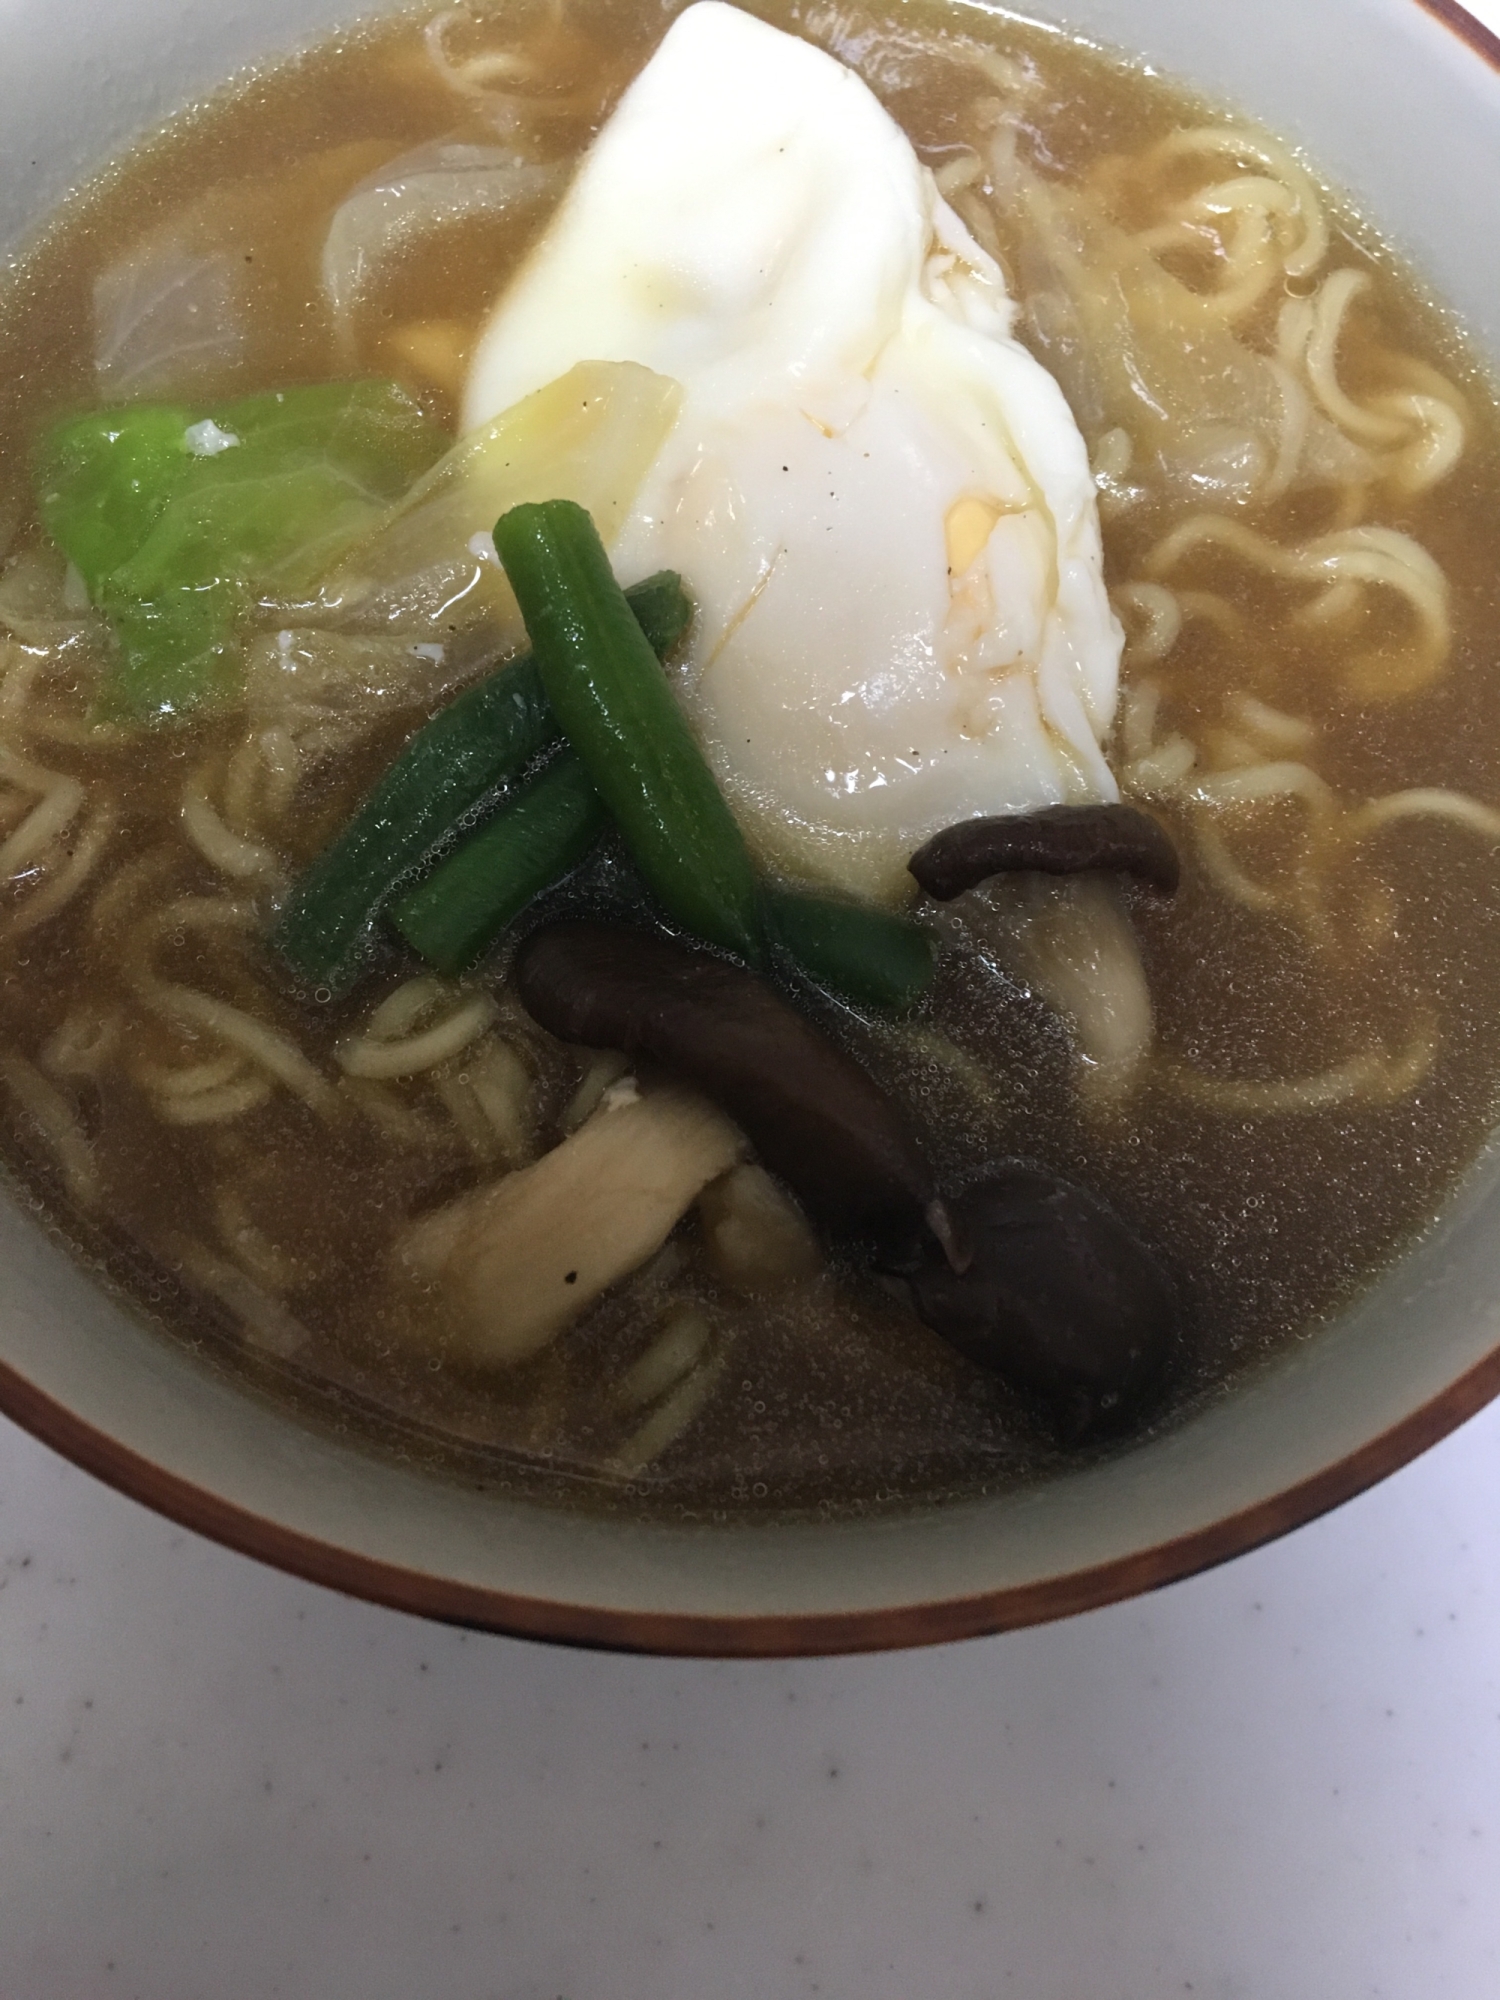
[408, 199]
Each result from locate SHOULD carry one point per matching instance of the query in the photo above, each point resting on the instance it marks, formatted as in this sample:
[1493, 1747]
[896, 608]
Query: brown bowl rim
[765, 1635]
[751, 1635]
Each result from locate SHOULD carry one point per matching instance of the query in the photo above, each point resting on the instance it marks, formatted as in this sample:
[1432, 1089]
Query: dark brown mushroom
[1060, 840]
[1030, 1277]
[814, 1116]
[1056, 1295]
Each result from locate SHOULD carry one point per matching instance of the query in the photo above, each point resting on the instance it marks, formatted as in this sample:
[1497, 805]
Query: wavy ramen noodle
[1275, 1077]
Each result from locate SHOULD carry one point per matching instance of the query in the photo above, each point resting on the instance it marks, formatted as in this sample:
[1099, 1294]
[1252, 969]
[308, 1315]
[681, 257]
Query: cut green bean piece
[621, 716]
[483, 740]
[869, 956]
[663, 610]
[535, 839]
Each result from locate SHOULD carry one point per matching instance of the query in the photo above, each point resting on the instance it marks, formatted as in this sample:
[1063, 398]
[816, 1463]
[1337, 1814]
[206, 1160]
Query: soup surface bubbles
[1273, 1076]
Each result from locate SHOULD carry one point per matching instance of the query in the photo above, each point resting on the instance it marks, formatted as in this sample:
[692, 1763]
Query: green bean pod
[535, 839]
[619, 713]
[870, 956]
[478, 743]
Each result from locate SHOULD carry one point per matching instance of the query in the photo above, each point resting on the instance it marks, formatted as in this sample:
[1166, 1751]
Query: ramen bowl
[167, 1423]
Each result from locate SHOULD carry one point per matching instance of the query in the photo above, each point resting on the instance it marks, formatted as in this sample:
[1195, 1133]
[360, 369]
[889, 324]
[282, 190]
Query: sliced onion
[432, 188]
[166, 315]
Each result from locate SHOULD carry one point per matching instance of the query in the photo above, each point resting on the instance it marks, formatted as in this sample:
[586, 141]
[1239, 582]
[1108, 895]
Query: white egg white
[880, 501]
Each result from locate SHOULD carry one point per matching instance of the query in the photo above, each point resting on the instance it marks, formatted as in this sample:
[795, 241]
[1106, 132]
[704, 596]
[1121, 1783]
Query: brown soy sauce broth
[830, 1396]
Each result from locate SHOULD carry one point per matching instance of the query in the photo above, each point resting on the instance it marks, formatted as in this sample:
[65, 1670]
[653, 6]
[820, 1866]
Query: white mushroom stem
[757, 1237]
[514, 1262]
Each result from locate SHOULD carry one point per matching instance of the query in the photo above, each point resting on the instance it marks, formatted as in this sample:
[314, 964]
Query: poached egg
[879, 500]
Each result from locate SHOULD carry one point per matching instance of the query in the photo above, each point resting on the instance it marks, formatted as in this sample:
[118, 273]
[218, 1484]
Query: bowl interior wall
[1389, 102]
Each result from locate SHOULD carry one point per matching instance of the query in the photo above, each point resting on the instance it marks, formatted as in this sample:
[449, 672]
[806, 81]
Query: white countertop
[1280, 1781]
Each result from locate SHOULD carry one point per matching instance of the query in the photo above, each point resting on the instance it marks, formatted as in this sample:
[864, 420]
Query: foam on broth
[1302, 946]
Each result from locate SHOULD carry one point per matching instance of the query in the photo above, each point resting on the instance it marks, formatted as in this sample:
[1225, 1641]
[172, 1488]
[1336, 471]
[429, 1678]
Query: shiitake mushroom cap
[1057, 840]
[813, 1115]
[1031, 1277]
[1054, 1293]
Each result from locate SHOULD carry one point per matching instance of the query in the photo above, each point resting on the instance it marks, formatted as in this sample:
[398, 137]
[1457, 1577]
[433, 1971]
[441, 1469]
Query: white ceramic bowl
[1398, 101]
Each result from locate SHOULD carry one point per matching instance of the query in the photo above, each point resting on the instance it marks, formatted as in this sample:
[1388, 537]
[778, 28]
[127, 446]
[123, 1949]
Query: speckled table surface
[1280, 1781]
[1277, 1782]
